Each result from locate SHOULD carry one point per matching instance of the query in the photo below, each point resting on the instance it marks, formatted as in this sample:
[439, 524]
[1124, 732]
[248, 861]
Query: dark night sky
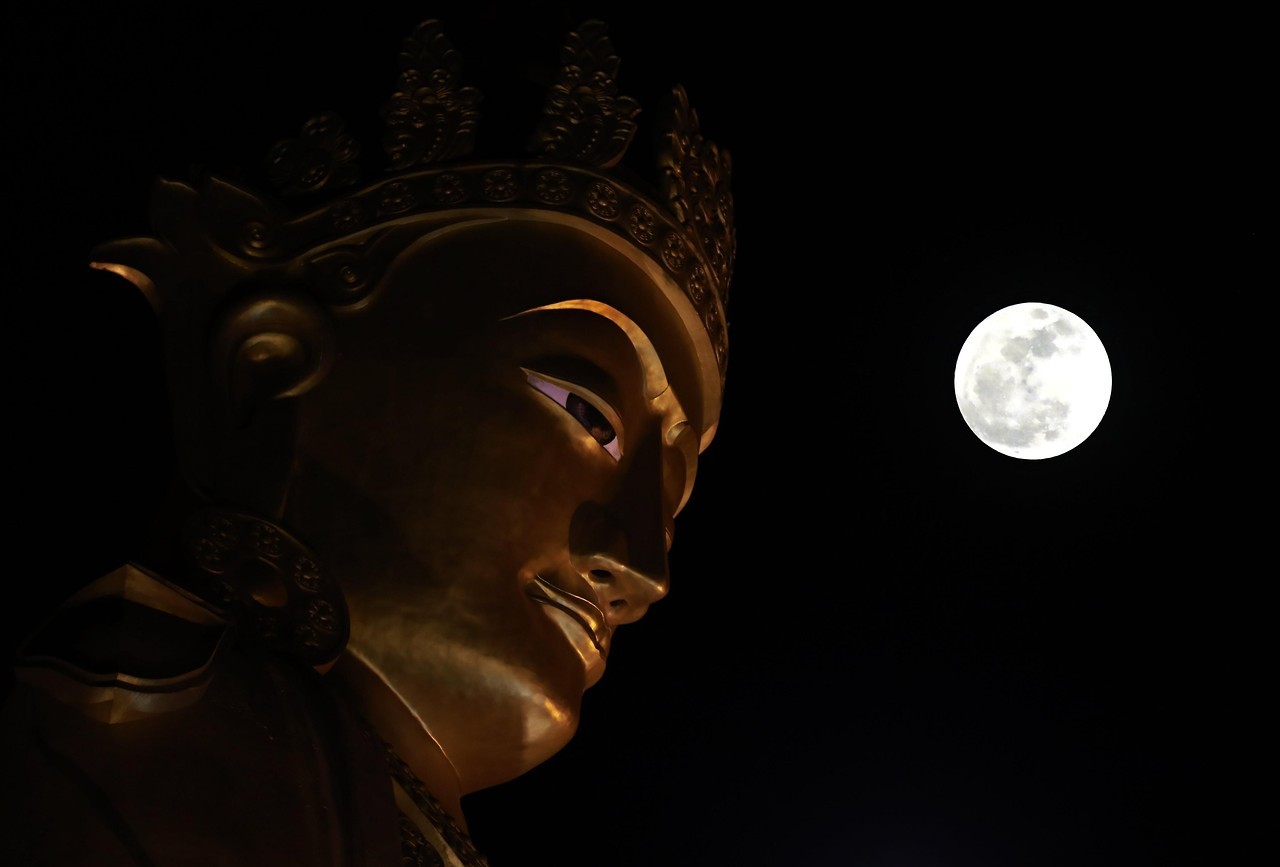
[885, 643]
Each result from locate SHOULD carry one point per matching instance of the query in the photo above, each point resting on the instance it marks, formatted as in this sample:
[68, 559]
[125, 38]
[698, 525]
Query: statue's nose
[625, 594]
[620, 547]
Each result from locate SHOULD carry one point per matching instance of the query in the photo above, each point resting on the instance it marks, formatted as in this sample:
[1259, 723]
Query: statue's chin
[493, 718]
[516, 724]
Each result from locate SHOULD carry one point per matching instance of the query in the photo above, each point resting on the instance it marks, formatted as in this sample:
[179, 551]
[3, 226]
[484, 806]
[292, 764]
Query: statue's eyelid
[559, 390]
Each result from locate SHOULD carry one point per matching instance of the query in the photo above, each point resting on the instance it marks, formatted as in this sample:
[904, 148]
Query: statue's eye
[586, 410]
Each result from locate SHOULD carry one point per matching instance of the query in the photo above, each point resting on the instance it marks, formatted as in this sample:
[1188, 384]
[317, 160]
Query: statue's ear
[268, 342]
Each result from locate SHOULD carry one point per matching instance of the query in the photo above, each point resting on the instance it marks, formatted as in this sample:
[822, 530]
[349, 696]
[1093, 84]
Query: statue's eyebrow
[653, 374]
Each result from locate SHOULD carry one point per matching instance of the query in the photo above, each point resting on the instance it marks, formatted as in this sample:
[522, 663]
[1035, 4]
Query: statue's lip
[587, 614]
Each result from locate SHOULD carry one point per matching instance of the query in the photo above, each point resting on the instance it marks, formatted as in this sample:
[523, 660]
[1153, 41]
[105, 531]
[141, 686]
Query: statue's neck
[362, 685]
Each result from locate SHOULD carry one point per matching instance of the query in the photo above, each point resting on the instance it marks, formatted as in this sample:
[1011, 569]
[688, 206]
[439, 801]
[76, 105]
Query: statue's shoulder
[142, 730]
[127, 647]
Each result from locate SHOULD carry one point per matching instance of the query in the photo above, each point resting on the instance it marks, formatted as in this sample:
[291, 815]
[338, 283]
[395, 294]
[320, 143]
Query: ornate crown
[586, 126]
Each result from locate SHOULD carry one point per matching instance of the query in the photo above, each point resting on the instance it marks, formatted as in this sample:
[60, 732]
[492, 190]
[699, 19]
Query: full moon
[1033, 381]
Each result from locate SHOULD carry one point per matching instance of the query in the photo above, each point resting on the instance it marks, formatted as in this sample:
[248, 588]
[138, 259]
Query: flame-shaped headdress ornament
[339, 248]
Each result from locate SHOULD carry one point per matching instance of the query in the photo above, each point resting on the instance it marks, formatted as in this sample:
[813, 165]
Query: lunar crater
[1033, 381]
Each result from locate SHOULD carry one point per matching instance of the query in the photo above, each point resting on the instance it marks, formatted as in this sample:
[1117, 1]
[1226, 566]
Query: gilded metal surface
[585, 119]
[433, 437]
[695, 178]
[270, 579]
[430, 118]
[417, 852]
[119, 696]
[457, 845]
[457, 518]
[265, 769]
[322, 157]
[347, 244]
[433, 121]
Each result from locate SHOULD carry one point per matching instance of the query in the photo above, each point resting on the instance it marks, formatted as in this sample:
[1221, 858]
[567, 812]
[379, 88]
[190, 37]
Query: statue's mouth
[578, 619]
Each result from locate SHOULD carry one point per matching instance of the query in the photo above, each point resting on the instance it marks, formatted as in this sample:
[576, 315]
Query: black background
[886, 644]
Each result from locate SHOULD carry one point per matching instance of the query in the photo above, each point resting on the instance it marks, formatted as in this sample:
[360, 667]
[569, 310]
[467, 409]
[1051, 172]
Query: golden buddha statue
[432, 433]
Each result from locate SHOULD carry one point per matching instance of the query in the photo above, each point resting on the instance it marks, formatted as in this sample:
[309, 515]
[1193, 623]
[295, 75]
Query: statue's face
[497, 497]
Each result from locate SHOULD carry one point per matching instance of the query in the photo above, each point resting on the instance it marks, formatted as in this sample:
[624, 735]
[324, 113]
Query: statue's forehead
[471, 277]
